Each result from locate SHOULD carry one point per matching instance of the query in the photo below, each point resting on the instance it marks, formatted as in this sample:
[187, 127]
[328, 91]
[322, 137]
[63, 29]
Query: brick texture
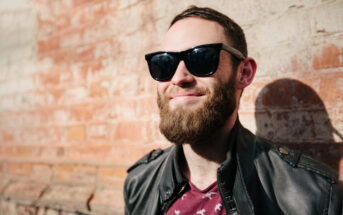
[77, 104]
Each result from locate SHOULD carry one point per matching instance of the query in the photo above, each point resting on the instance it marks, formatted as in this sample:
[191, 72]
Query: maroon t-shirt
[199, 202]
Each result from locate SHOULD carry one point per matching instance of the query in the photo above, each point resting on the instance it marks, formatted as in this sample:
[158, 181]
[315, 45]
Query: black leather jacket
[268, 180]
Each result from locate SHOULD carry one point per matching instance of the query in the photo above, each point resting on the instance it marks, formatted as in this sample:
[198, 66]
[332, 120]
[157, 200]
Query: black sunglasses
[200, 60]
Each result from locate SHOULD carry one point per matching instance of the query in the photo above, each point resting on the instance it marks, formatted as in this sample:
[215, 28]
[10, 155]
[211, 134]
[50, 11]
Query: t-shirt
[199, 202]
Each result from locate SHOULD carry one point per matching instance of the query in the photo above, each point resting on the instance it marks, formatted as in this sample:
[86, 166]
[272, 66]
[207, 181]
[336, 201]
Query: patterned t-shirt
[199, 202]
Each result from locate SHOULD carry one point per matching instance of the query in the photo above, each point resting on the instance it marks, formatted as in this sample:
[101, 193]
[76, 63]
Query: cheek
[224, 70]
[162, 87]
[209, 84]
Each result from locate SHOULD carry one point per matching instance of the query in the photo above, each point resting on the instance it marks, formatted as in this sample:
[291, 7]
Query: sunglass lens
[203, 61]
[162, 66]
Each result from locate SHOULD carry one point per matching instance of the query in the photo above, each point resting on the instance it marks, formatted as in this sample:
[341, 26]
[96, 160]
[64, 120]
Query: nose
[182, 76]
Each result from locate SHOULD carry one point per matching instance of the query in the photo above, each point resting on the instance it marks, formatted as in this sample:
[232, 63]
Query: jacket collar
[172, 179]
[245, 172]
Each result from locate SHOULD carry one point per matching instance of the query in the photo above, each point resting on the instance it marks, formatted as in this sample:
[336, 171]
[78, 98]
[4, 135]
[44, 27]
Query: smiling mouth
[185, 95]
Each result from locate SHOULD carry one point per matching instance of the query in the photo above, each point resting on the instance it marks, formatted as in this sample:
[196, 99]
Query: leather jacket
[268, 179]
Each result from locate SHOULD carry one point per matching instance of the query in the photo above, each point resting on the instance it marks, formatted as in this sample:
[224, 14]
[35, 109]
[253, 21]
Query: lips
[180, 95]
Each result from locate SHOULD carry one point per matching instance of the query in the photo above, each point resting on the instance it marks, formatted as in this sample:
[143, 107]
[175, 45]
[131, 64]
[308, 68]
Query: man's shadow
[291, 113]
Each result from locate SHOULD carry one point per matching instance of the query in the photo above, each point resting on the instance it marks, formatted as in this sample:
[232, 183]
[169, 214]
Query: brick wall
[77, 105]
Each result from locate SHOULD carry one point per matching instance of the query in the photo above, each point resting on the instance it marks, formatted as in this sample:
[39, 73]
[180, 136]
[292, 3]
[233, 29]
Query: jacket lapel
[171, 178]
[245, 173]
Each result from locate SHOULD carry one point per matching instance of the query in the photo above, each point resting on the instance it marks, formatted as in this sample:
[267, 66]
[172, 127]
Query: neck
[203, 160]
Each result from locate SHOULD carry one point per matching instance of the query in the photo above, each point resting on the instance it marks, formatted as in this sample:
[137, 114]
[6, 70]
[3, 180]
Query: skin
[201, 161]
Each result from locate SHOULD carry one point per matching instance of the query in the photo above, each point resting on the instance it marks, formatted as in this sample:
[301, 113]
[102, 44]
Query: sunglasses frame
[181, 55]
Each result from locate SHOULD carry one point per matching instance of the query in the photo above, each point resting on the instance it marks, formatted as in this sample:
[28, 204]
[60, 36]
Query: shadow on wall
[291, 113]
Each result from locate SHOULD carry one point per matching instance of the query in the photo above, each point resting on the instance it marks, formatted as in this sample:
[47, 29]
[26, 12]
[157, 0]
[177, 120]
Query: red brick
[90, 68]
[330, 88]
[68, 197]
[20, 151]
[132, 108]
[112, 175]
[8, 207]
[25, 191]
[329, 57]
[26, 210]
[40, 117]
[83, 53]
[101, 8]
[133, 131]
[294, 93]
[52, 9]
[251, 95]
[97, 131]
[76, 95]
[103, 200]
[91, 10]
[147, 88]
[51, 115]
[48, 45]
[126, 154]
[6, 137]
[41, 134]
[340, 170]
[94, 103]
[4, 183]
[52, 78]
[82, 174]
[87, 112]
[19, 169]
[78, 3]
[62, 22]
[50, 96]
[89, 152]
[59, 56]
[48, 211]
[52, 153]
[42, 172]
[97, 90]
[76, 133]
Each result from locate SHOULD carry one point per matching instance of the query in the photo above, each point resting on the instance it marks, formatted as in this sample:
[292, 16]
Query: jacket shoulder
[142, 175]
[318, 167]
[146, 159]
[296, 159]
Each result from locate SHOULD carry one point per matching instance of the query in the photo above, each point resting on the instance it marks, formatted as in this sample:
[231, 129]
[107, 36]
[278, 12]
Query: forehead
[189, 32]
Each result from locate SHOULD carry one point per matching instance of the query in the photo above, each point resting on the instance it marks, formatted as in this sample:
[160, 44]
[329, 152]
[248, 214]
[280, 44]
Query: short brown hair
[233, 31]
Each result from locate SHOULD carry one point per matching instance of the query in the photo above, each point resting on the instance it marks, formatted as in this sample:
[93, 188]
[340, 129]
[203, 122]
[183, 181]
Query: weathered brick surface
[107, 201]
[8, 207]
[82, 174]
[26, 210]
[4, 182]
[112, 175]
[77, 105]
[25, 191]
[67, 197]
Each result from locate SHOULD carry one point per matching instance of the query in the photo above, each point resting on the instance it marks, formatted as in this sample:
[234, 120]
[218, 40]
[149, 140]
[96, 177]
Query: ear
[246, 73]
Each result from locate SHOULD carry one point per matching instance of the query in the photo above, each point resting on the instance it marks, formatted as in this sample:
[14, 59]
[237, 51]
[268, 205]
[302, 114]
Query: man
[216, 166]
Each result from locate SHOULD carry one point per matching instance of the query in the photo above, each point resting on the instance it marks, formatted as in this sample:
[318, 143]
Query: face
[192, 108]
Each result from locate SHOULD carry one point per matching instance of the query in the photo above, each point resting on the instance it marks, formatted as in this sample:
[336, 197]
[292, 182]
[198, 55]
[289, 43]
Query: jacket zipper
[166, 207]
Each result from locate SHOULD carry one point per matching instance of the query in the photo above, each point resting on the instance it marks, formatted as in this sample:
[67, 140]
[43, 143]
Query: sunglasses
[201, 61]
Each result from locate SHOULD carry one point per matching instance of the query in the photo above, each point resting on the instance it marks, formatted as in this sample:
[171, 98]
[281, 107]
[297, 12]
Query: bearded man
[215, 165]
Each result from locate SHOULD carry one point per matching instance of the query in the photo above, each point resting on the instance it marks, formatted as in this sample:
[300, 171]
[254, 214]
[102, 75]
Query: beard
[182, 126]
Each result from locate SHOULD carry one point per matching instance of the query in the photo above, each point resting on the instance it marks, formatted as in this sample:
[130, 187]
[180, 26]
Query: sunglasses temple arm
[233, 51]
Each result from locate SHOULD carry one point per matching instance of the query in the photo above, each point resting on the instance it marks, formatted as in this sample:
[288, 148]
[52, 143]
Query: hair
[233, 31]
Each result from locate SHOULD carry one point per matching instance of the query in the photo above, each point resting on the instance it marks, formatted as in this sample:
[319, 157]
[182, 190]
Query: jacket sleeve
[335, 206]
[126, 193]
